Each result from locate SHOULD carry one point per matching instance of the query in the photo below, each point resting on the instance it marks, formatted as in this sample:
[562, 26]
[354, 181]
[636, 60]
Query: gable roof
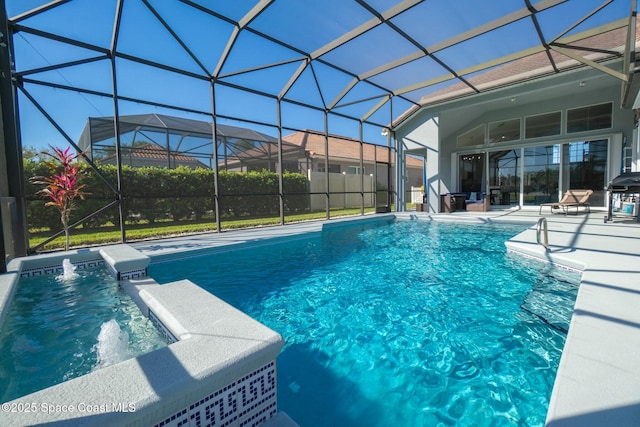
[539, 64]
[148, 154]
[595, 48]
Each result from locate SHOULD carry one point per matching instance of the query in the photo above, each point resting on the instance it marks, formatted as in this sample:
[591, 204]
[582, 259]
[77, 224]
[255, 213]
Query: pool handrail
[541, 228]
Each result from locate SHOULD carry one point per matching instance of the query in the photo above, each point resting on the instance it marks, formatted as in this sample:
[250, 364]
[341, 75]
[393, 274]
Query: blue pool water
[58, 329]
[407, 324]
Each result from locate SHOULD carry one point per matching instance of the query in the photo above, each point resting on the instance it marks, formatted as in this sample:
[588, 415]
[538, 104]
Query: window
[471, 172]
[542, 125]
[508, 130]
[291, 166]
[474, 137]
[332, 168]
[354, 170]
[590, 118]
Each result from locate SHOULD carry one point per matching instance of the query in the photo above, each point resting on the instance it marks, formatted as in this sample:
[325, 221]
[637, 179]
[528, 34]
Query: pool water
[407, 324]
[52, 330]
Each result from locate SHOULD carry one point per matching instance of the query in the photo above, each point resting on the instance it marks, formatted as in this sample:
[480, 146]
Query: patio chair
[478, 202]
[572, 198]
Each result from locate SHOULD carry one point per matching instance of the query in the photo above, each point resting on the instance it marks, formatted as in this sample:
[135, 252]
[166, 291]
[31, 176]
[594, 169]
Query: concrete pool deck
[599, 372]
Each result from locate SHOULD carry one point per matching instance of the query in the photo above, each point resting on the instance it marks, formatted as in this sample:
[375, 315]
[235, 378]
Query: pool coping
[596, 382]
[597, 379]
[215, 355]
[173, 248]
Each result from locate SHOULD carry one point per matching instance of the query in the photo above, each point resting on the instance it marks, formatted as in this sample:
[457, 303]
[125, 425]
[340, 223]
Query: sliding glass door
[541, 174]
[584, 167]
[472, 176]
[504, 177]
[536, 174]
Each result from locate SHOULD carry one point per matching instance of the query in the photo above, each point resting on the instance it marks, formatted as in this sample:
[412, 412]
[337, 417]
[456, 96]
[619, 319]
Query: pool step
[124, 262]
[552, 304]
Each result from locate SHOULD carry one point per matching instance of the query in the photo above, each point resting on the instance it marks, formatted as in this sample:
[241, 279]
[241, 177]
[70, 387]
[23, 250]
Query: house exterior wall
[552, 95]
[422, 139]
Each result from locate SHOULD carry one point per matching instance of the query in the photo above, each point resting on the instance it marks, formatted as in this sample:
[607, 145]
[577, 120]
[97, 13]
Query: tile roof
[537, 65]
[152, 151]
[598, 47]
[340, 147]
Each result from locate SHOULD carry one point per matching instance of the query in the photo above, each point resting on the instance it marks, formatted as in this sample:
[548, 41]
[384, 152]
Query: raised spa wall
[218, 369]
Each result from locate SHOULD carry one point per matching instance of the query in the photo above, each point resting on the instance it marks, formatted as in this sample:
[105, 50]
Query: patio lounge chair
[572, 198]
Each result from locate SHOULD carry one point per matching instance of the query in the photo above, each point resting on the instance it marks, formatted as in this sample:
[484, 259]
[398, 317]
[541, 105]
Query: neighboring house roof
[294, 145]
[149, 154]
[102, 128]
[340, 147]
[269, 150]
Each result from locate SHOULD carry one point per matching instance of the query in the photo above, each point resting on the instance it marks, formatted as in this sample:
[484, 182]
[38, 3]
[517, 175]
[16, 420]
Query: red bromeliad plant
[62, 186]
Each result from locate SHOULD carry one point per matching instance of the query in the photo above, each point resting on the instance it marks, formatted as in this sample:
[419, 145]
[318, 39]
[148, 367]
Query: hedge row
[151, 193]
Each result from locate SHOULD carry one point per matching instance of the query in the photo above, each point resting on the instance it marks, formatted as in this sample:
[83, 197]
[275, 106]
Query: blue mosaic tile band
[178, 420]
[219, 408]
[166, 333]
[249, 401]
[260, 417]
[126, 275]
[111, 269]
[133, 274]
[57, 269]
[255, 389]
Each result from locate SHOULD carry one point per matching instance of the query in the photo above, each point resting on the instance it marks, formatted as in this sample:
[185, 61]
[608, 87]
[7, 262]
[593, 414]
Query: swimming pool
[58, 329]
[411, 323]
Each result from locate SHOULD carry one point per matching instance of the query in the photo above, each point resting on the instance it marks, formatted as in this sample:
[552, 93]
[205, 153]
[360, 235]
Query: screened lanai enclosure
[164, 141]
[139, 89]
[238, 113]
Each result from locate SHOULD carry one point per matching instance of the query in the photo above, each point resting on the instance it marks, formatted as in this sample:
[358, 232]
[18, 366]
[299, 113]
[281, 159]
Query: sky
[307, 25]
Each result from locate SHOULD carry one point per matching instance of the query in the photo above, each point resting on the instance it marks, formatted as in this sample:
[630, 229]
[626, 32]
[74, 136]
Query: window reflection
[584, 167]
[541, 174]
[589, 118]
[474, 137]
[542, 125]
[508, 130]
[472, 172]
[504, 179]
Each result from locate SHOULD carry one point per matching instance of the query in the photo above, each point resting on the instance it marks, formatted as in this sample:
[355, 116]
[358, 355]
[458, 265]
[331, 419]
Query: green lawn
[83, 237]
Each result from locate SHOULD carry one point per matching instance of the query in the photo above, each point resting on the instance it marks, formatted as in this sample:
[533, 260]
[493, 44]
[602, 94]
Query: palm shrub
[62, 186]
